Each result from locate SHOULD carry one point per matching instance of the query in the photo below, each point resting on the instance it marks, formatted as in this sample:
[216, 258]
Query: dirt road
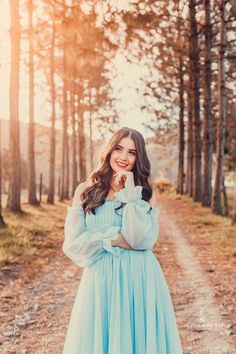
[35, 312]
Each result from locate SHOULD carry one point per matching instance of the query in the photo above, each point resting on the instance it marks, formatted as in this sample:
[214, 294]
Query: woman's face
[123, 157]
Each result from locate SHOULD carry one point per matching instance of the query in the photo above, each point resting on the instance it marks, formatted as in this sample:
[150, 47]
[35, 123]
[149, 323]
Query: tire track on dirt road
[202, 328]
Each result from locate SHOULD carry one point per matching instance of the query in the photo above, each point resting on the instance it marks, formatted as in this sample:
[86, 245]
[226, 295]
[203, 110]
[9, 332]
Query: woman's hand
[121, 242]
[127, 177]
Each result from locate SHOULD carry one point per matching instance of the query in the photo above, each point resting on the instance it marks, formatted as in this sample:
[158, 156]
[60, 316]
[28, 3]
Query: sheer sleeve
[140, 227]
[84, 247]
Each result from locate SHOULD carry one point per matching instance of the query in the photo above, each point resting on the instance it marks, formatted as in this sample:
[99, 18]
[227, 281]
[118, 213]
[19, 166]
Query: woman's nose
[123, 155]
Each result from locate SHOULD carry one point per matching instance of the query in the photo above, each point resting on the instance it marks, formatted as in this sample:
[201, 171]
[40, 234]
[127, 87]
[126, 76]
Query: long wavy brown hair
[98, 182]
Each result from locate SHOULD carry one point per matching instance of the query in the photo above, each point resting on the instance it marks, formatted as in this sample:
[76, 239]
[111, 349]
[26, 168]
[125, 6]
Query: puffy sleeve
[84, 247]
[140, 227]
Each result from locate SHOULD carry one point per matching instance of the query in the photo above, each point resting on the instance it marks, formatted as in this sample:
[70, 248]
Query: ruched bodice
[105, 216]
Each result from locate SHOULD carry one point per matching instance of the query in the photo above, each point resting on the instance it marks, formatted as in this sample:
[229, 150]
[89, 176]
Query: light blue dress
[123, 304]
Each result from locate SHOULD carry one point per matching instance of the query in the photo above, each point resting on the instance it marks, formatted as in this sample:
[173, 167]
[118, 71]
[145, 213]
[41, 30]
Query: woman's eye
[131, 152]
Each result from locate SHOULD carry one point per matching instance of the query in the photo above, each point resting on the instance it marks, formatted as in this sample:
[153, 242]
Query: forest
[188, 51]
[72, 61]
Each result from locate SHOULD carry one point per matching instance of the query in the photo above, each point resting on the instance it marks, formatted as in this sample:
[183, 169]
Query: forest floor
[195, 251]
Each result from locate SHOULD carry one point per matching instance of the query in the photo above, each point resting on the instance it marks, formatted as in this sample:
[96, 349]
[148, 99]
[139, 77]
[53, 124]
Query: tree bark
[91, 132]
[225, 198]
[234, 200]
[194, 50]
[65, 147]
[180, 188]
[207, 123]
[81, 146]
[74, 149]
[221, 123]
[51, 188]
[32, 199]
[14, 192]
[2, 223]
[189, 173]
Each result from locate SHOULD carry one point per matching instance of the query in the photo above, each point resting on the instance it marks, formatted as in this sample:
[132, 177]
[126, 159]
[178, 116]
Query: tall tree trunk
[14, 141]
[194, 48]
[74, 149]
[74, 102]
[189, 170]
[221, 123]
[81, 146]
[189, 173]
[51, 188]
[32, 199]
[207, 123]
[2, 223]
[65, 152]
[225, 198]
[180, 187]
[234, 200]
[91, 132]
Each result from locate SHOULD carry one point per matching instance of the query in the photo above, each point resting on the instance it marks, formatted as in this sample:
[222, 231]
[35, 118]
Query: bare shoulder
[79, 190]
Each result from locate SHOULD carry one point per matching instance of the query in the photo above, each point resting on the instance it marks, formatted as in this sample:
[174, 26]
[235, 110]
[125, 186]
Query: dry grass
[32, 235]
[210, 227]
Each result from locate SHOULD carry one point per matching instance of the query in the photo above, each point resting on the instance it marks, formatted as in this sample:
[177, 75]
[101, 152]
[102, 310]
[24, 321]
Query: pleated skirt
[123, 306]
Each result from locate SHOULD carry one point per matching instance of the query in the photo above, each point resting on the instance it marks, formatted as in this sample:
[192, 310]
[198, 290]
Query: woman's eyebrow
[123, 146]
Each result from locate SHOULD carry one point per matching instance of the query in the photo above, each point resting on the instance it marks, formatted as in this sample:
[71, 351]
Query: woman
[123, 305]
